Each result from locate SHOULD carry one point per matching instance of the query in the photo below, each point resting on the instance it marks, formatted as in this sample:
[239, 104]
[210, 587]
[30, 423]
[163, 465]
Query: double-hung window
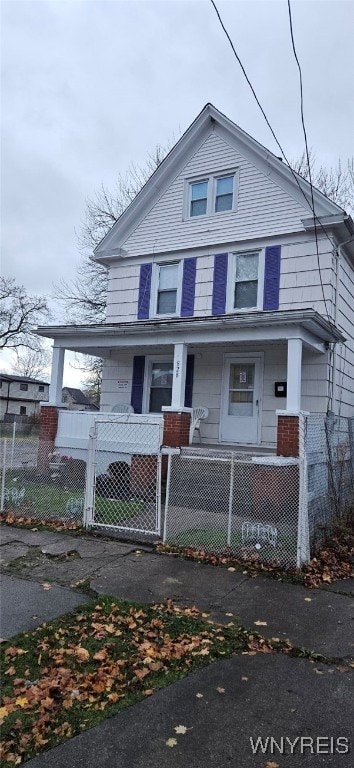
[224, 193]
[211, 195]
[23, 387]
[167, 288]
[160, 385]
[246, 283]
[199, 198]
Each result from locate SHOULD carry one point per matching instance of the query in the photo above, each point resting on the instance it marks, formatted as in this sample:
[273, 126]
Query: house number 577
[177, 368]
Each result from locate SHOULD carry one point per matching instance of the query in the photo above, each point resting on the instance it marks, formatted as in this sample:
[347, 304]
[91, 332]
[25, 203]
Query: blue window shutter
[144, 291]
[188, 287]
[138, 383]
[271, 277]
[189, 382]
[219, 284]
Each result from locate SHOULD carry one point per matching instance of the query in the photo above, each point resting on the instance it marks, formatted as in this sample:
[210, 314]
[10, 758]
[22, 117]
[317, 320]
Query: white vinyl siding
[345, 352]
[207, 384]
[300, 286]
[262, 206]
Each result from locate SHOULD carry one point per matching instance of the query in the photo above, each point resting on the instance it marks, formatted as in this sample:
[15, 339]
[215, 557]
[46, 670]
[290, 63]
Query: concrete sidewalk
[264, 695]
[319, 620]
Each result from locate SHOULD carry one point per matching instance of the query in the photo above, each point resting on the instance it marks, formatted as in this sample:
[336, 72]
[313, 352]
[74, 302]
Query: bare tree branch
[20, 312]
[32, 363]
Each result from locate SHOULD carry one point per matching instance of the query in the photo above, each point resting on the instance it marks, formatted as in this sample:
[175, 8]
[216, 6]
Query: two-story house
[226, 290]
[20, 396]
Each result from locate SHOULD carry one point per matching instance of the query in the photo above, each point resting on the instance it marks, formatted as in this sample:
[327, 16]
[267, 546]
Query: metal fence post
[3, 475]
[168, 481]
[303, 538]
[90, 482]
[231, 496]
[158, 494]
[13, 444]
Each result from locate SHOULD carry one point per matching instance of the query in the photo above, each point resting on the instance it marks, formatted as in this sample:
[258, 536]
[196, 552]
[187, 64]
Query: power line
[307, 151]
[276, 140]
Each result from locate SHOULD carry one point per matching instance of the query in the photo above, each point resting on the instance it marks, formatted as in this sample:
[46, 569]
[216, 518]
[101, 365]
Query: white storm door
[241, 404]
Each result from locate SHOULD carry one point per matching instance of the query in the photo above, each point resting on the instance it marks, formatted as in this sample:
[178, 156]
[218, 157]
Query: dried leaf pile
[69, 674]
[334, 561]
[13, 518]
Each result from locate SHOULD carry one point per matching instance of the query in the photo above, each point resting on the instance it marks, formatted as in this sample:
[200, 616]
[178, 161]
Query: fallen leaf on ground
[220, 690]
[318, 671]
[46, 586]
[171, 742]
[271, 764]
[260, 623]
[199, 695]
[181, 729]
[244, 677]
[308, 599]
[232, 570]
[229, 614]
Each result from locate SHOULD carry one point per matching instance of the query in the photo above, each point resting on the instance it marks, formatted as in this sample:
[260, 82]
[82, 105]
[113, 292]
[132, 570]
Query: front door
[241, 405]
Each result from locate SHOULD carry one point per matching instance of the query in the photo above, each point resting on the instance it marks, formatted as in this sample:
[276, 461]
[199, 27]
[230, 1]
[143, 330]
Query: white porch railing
[74, 428]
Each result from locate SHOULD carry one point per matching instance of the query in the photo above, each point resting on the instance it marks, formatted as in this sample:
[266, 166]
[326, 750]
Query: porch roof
[307, 324]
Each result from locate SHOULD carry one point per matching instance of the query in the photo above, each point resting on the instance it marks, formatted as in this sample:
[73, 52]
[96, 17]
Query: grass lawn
[212, 538]
[70, 674]
[49, 500]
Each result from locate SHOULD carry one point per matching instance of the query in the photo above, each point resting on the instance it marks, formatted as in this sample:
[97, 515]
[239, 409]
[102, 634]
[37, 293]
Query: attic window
[213, 195]
[199, 198]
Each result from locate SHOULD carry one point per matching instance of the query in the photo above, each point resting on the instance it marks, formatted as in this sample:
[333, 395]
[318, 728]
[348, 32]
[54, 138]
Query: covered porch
[250, 371]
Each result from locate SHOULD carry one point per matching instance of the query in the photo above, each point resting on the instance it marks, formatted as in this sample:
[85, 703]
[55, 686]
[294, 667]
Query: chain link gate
[123, 481]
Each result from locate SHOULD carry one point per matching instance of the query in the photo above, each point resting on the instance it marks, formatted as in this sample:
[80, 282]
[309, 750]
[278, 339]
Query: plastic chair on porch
[122, 408]
[198, 414]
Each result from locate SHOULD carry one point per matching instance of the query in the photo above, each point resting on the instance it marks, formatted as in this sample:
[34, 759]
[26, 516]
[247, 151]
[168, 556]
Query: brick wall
[288, 436]
[176, 428]
[48, 426]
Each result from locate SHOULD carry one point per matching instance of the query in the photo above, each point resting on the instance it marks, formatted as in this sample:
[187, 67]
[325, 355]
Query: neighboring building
[20, 396]
[225, 291]
[75, 400]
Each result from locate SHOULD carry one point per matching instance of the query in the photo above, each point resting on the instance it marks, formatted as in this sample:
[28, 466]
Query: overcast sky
[90, 86]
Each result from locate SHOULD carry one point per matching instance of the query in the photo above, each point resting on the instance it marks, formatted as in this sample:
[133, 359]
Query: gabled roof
[77, 395]
[111, 245]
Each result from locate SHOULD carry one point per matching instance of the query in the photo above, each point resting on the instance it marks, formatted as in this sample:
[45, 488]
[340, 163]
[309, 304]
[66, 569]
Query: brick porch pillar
[48, 425]
[288, 434]
[176, 424]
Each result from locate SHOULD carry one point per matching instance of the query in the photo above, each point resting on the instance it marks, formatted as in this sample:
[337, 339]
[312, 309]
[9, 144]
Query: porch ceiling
[251, 327]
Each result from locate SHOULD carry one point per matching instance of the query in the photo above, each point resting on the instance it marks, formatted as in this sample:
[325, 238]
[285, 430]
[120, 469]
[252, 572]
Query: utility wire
[307, 153]
[311, 206]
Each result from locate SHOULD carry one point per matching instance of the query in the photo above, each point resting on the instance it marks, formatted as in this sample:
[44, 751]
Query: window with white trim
[245, 284]
[211, 195]
[158, 384]
[166, 289]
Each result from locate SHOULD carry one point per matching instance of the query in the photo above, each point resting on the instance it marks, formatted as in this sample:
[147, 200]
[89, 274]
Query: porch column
[293, 398]
[176, 417]
[288, 437]
[56, 379]
[179, 375]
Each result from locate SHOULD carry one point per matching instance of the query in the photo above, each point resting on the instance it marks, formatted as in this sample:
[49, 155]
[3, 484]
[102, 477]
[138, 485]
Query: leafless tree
[85, 297]
[91, 368]
[31, 362]
[20, 312]
[336, 183]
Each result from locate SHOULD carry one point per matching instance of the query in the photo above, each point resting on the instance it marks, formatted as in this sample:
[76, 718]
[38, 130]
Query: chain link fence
[329, 453]
[228, 503]
[40, 483]
[126, 479]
